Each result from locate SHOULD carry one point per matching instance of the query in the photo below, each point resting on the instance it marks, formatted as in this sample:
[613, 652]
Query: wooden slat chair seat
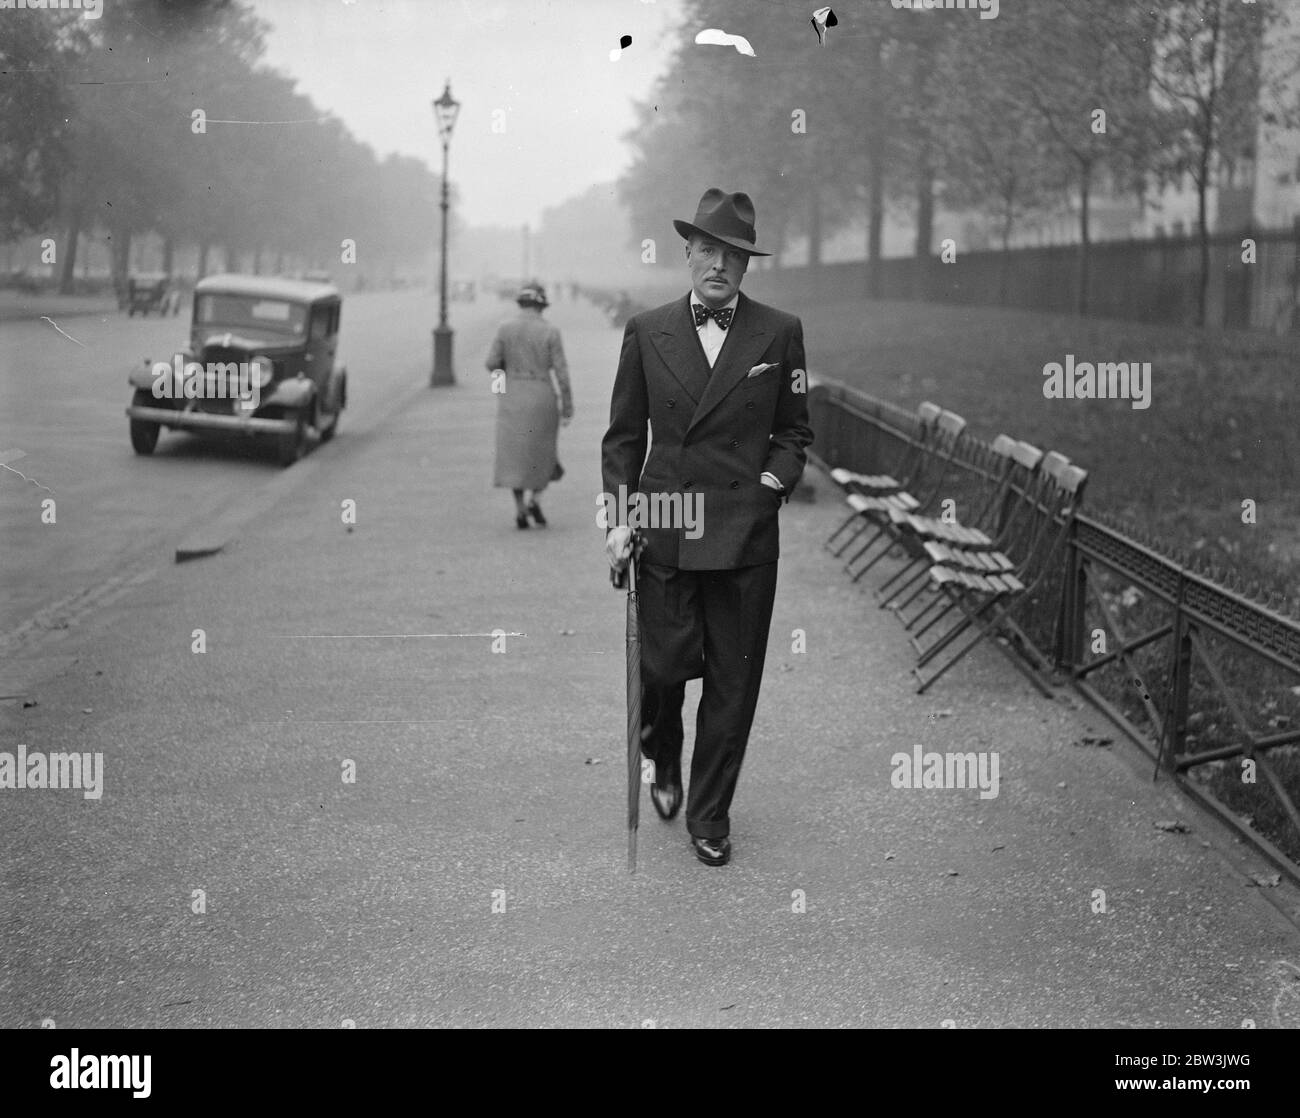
[997, 466]
[894, 503]
[877, 485]
[948, 438]
[985, 600]
[1009, 471]
[971, 580]
[932, 527]
[1015, 519]
[847, 479]
[971, 560]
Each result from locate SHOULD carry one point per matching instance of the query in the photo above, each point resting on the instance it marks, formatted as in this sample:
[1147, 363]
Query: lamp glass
[445, 108]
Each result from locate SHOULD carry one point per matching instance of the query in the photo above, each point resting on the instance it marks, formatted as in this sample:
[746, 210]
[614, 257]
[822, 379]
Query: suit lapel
[678, 344]
[746, 340]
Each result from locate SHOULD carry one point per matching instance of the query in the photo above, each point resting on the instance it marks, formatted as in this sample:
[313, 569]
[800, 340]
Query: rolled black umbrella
[627, 577]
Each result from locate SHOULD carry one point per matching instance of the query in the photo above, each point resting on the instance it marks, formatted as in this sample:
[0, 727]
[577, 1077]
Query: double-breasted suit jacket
[712, 431]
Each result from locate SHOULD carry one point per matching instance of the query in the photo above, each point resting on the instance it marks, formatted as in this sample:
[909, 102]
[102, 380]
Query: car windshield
[248, 310]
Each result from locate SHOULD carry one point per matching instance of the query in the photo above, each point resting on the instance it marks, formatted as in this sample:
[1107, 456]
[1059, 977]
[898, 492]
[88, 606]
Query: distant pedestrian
[528, 415]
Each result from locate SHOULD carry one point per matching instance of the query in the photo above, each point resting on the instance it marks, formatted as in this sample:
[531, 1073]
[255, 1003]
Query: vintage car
[151, 291]
[260, 362]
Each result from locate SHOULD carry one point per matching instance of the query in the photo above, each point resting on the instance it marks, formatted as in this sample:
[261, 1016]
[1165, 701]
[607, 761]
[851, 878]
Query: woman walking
[528, 349]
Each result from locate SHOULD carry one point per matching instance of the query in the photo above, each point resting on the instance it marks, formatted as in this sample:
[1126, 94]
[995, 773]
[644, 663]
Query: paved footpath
[474, 872]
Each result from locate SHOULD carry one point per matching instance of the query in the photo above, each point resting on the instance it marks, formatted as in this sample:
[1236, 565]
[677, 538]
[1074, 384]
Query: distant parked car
[277, 336]
[151, 291]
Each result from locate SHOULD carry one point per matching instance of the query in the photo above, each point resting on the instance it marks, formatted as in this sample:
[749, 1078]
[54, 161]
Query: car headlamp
[262, 369]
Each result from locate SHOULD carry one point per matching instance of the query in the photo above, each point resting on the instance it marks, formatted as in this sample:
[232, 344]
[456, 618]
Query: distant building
[1260, 191]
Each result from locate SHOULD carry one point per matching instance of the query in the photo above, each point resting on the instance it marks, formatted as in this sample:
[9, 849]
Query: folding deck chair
[984, 597]
[948, 431]
[996, 527]
[879, 485]
[1023, 528]
[911, 529]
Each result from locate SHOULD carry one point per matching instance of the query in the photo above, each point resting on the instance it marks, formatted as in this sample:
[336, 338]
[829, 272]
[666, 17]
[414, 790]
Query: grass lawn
[1223, 424]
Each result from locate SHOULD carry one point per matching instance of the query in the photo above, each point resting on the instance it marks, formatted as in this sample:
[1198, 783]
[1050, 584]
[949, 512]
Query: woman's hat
[532, 294]
[728, 218]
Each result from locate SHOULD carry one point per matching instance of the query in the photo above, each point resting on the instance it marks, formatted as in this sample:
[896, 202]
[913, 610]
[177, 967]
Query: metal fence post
[1074, 591]
[1180, 684]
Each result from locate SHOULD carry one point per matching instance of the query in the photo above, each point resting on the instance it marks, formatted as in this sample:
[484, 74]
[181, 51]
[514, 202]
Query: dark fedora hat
[728, 218]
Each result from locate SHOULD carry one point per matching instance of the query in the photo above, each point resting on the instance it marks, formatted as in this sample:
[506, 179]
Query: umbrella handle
[618, 578]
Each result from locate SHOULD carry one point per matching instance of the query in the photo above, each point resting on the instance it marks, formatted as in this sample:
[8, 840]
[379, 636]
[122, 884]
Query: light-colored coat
[529, 349]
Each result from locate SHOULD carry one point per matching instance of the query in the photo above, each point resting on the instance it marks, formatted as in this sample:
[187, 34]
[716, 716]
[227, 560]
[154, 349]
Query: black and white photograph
[651, 514]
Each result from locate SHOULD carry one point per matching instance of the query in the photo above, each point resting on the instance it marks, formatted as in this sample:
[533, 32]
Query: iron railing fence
[1201, 672]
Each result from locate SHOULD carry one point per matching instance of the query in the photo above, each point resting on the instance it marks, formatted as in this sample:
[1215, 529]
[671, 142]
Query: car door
[322, 340]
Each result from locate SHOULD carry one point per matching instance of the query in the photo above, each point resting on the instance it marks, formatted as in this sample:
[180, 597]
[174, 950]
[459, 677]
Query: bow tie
[702, 315]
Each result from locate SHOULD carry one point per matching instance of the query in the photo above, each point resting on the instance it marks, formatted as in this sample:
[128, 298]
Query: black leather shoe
[667, 797]
[521, 520]
[712, 851]
[535, 511]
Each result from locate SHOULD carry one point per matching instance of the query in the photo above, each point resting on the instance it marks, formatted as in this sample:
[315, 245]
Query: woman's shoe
[535, 511]
[521, 520]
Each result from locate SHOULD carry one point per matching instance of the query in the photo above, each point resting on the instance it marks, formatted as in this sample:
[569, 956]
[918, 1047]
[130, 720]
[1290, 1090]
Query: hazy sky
[378, 66]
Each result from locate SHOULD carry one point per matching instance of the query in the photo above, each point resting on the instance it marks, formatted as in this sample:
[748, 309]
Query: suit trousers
[711, 625]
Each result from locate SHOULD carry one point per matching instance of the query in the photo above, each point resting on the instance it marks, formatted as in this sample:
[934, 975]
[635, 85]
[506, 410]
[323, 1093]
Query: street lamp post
[445, 109]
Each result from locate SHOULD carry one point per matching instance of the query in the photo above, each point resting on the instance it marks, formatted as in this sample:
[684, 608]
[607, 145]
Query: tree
[1208, 81]
[993, 141]
[1072, 65]
[34, 103]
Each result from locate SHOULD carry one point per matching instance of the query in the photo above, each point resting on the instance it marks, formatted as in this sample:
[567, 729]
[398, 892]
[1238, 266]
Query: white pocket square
[757, 369]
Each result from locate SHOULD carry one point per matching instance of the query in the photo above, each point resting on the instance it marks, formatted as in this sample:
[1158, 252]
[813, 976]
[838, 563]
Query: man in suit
[720, 381]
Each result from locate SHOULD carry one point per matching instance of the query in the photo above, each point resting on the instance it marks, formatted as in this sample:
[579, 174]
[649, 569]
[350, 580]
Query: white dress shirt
[711, 338]
[711, 334]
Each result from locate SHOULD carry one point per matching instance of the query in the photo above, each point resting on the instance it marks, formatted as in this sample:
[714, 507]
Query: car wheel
[290, 447]
[144, 435]
[327, 433]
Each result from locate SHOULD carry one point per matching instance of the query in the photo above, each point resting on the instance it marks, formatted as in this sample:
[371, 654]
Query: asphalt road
[61, 403]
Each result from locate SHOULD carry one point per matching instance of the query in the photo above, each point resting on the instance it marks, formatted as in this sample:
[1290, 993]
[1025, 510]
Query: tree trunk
[204, 247]
[1203, 236]
[119, 248]
[1085, 190]
[875, 176]
[168, 254]
[1004, 258]
[66, 277]
[814, 226]
[875, 224]
[924, 207]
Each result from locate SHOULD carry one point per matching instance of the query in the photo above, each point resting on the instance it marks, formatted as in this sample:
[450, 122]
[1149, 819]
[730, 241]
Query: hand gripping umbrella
[627, 577]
